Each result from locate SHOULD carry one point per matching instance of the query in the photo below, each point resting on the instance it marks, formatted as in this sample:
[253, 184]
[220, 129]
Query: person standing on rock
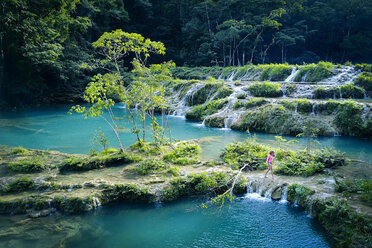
[269, 162]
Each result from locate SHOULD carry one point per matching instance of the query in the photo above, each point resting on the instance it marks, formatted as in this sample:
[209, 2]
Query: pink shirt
[270, 158]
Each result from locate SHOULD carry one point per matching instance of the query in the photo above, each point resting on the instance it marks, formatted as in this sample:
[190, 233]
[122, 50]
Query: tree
[309, 131]
[145, 90]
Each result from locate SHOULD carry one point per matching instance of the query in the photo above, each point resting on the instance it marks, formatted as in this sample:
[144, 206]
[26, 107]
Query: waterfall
[310, 210]
[340, 92]
[284, 195]
[293, 75]
[304, 78]
[284, 90]
[296, 103]
[346, 74]
[181, 108]
[364, 96]
[245, 75]
[231, 77]
[313, 110]
[96, 202]
[268, 193]
[70, 188]
[365, 112]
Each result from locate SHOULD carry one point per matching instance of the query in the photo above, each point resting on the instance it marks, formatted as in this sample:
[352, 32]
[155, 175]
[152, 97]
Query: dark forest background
[44, 42]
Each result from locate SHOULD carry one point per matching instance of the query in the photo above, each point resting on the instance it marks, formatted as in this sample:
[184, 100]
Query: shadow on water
[244, 223]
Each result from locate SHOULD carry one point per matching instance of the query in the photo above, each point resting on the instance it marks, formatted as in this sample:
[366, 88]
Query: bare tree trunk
[255, 45]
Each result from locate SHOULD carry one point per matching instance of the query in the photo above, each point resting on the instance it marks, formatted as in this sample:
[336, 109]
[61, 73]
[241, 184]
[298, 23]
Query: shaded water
[245, 223]
[52, 128]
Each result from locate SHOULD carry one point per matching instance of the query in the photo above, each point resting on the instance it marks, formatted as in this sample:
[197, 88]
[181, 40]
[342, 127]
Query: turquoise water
[52, 128]
[245, 223]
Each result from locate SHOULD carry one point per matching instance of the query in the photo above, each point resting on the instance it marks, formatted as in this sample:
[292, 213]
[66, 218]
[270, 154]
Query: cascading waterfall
[268, 193]
[181, 108]
[339, 88]
[313, 109]
[365, 112]
[96, 202]
[284, 195]
[296, 107]
[346, 74]
[284, 90]
[231, 77]
[293, 75]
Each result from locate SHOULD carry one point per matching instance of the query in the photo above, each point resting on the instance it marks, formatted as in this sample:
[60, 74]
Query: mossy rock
[215, 121]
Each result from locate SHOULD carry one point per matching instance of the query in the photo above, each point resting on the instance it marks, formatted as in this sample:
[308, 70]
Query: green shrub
[223, 92]
[197, 113]
[150, 166]
[34, 164]
[98, 162]
[215, 182]
[185, 153]
[265, 89]
[348, 118]
[352, 91]
[330, 157]
[304, 164]
[298, 193]
[322, 93]
[299, 163]
[314, 72]
[252, 102]
[364, 67]
[276, 72]
[20, 184]
[200, 111]
[348, 227]
[241, 96]
[363, 187]
[202, 95]
[364, 80]
[290, 89]
[21, 151]
[250, 152]
[174, 171]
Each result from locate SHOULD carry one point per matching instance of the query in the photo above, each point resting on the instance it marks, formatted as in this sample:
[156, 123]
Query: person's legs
[268, 169]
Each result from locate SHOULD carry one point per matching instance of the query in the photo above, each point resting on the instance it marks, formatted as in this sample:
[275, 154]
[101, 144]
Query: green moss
[197, 113]
[185, 153]
[28, 165]
[314, 72]
[215, 182]
[204, 93]
[215, 121]
[276, 72]
[252, 102]
[348, 227]
[20, 184]
[21, 151]
[364, 67]
[298, 193]
[250, 152]
[362, 187]
[352, 91]
[348, 118]
[150, 166]
[241, 96]
[223, 92]
[97, 162]
[265, 89]
[364, 80]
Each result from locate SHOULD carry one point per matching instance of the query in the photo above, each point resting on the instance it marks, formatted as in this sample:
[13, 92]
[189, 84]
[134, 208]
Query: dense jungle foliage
[44, 43]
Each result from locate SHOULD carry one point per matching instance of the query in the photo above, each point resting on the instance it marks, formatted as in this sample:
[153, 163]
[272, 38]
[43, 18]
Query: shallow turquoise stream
[245, 223]
[52, 128]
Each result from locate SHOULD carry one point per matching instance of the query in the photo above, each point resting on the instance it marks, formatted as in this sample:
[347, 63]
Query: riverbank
[85, 187]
